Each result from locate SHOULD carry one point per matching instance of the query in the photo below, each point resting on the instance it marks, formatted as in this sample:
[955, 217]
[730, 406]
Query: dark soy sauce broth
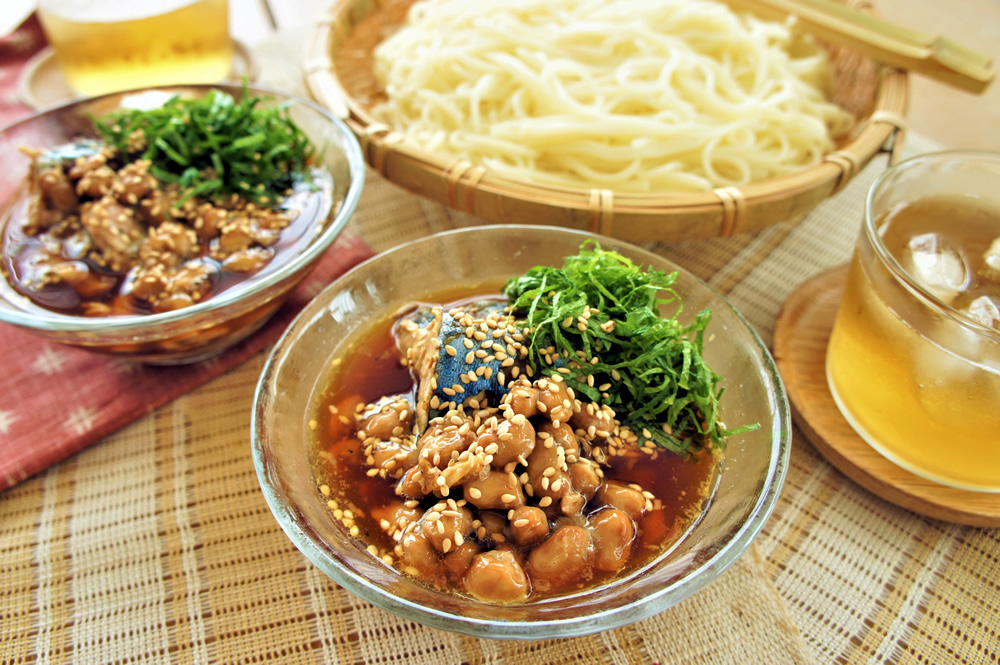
[371, 369]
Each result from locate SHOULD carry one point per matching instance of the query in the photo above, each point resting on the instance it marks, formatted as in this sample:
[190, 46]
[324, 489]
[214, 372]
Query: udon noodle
[633, 95]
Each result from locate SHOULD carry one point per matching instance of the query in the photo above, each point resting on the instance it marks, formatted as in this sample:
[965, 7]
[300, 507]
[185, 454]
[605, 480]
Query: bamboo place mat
[155, 544]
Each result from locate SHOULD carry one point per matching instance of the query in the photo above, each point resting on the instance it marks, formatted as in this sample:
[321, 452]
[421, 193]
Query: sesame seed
[475, 493]
[545, 501]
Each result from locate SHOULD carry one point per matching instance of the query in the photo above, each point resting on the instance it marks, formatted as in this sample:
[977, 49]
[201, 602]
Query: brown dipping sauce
[373, 369]
[104, 291]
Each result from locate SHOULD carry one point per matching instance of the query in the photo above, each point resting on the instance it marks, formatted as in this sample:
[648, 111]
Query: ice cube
[991, 262]
[937, 266]
[984, 310]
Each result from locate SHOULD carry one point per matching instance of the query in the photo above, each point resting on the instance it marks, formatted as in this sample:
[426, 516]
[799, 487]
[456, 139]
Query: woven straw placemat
[156, 545]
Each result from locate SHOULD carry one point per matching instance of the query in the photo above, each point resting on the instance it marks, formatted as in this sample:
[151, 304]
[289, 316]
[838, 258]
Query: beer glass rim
[895, 268]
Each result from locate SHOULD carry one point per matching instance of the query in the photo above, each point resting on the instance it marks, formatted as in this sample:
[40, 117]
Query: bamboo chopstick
[935, 57]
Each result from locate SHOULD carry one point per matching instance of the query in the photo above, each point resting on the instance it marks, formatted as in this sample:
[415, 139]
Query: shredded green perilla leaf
[647, 367]
[214, 145]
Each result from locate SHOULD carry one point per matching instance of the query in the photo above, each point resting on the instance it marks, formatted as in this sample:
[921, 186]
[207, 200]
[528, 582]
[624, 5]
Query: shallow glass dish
[752, 473]
[206, 328]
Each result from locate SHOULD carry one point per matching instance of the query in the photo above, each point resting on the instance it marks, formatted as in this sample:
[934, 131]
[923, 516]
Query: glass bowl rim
[609, 618]
[55, 322]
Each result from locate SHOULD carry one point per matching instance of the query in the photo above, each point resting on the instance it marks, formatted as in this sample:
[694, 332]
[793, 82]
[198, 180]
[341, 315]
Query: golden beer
[914, 358]
[108, 45]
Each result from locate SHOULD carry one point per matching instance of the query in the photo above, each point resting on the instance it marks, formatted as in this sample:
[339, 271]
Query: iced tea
[914, 358]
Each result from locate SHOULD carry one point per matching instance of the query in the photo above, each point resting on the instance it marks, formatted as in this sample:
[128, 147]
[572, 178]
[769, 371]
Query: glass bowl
[752, 472]
[206, 328]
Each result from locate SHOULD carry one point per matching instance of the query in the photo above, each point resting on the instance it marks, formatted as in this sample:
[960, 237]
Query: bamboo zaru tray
[339, 73]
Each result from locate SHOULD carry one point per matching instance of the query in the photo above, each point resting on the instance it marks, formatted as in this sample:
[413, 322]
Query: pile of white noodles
[630, 95]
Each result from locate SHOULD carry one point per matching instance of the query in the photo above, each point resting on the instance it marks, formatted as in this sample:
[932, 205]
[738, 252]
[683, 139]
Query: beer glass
[109, 45]
[914, 357]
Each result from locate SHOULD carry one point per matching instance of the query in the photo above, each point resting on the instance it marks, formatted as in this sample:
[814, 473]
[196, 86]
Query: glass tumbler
[110, 45]
[914, 357]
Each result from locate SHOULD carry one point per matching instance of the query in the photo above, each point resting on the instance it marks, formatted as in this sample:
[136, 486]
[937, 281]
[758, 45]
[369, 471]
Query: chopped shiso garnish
[648, 367]
[214, 145]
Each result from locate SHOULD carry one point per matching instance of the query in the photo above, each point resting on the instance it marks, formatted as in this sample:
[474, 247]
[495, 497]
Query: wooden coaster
[800, 338]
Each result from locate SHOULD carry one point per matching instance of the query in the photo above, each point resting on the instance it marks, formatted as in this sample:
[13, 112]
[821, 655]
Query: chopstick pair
[938, 58]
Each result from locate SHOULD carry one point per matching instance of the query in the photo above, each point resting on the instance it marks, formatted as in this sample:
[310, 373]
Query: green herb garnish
[214, 145]
[599, 315]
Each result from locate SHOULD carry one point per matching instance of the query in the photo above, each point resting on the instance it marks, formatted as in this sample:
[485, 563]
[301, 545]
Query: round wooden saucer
[800, 338]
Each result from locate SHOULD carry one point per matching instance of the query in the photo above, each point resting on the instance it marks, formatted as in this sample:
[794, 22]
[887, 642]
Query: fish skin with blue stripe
[444, 329]
[67, 153]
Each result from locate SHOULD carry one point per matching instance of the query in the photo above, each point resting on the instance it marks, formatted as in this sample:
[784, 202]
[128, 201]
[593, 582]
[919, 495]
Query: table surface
[155, 545]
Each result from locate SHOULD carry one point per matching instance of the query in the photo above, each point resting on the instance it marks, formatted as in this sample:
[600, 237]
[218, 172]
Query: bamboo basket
[339, 75]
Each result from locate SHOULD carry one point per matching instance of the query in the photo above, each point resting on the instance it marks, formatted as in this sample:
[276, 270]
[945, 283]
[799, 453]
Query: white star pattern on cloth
[211, 361]
[80, 420]
[313, 287]
[123, 366]
[49, 361]
[7, 419]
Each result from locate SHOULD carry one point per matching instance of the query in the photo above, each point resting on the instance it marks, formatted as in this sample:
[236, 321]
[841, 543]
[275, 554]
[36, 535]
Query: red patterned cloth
[55, 400]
